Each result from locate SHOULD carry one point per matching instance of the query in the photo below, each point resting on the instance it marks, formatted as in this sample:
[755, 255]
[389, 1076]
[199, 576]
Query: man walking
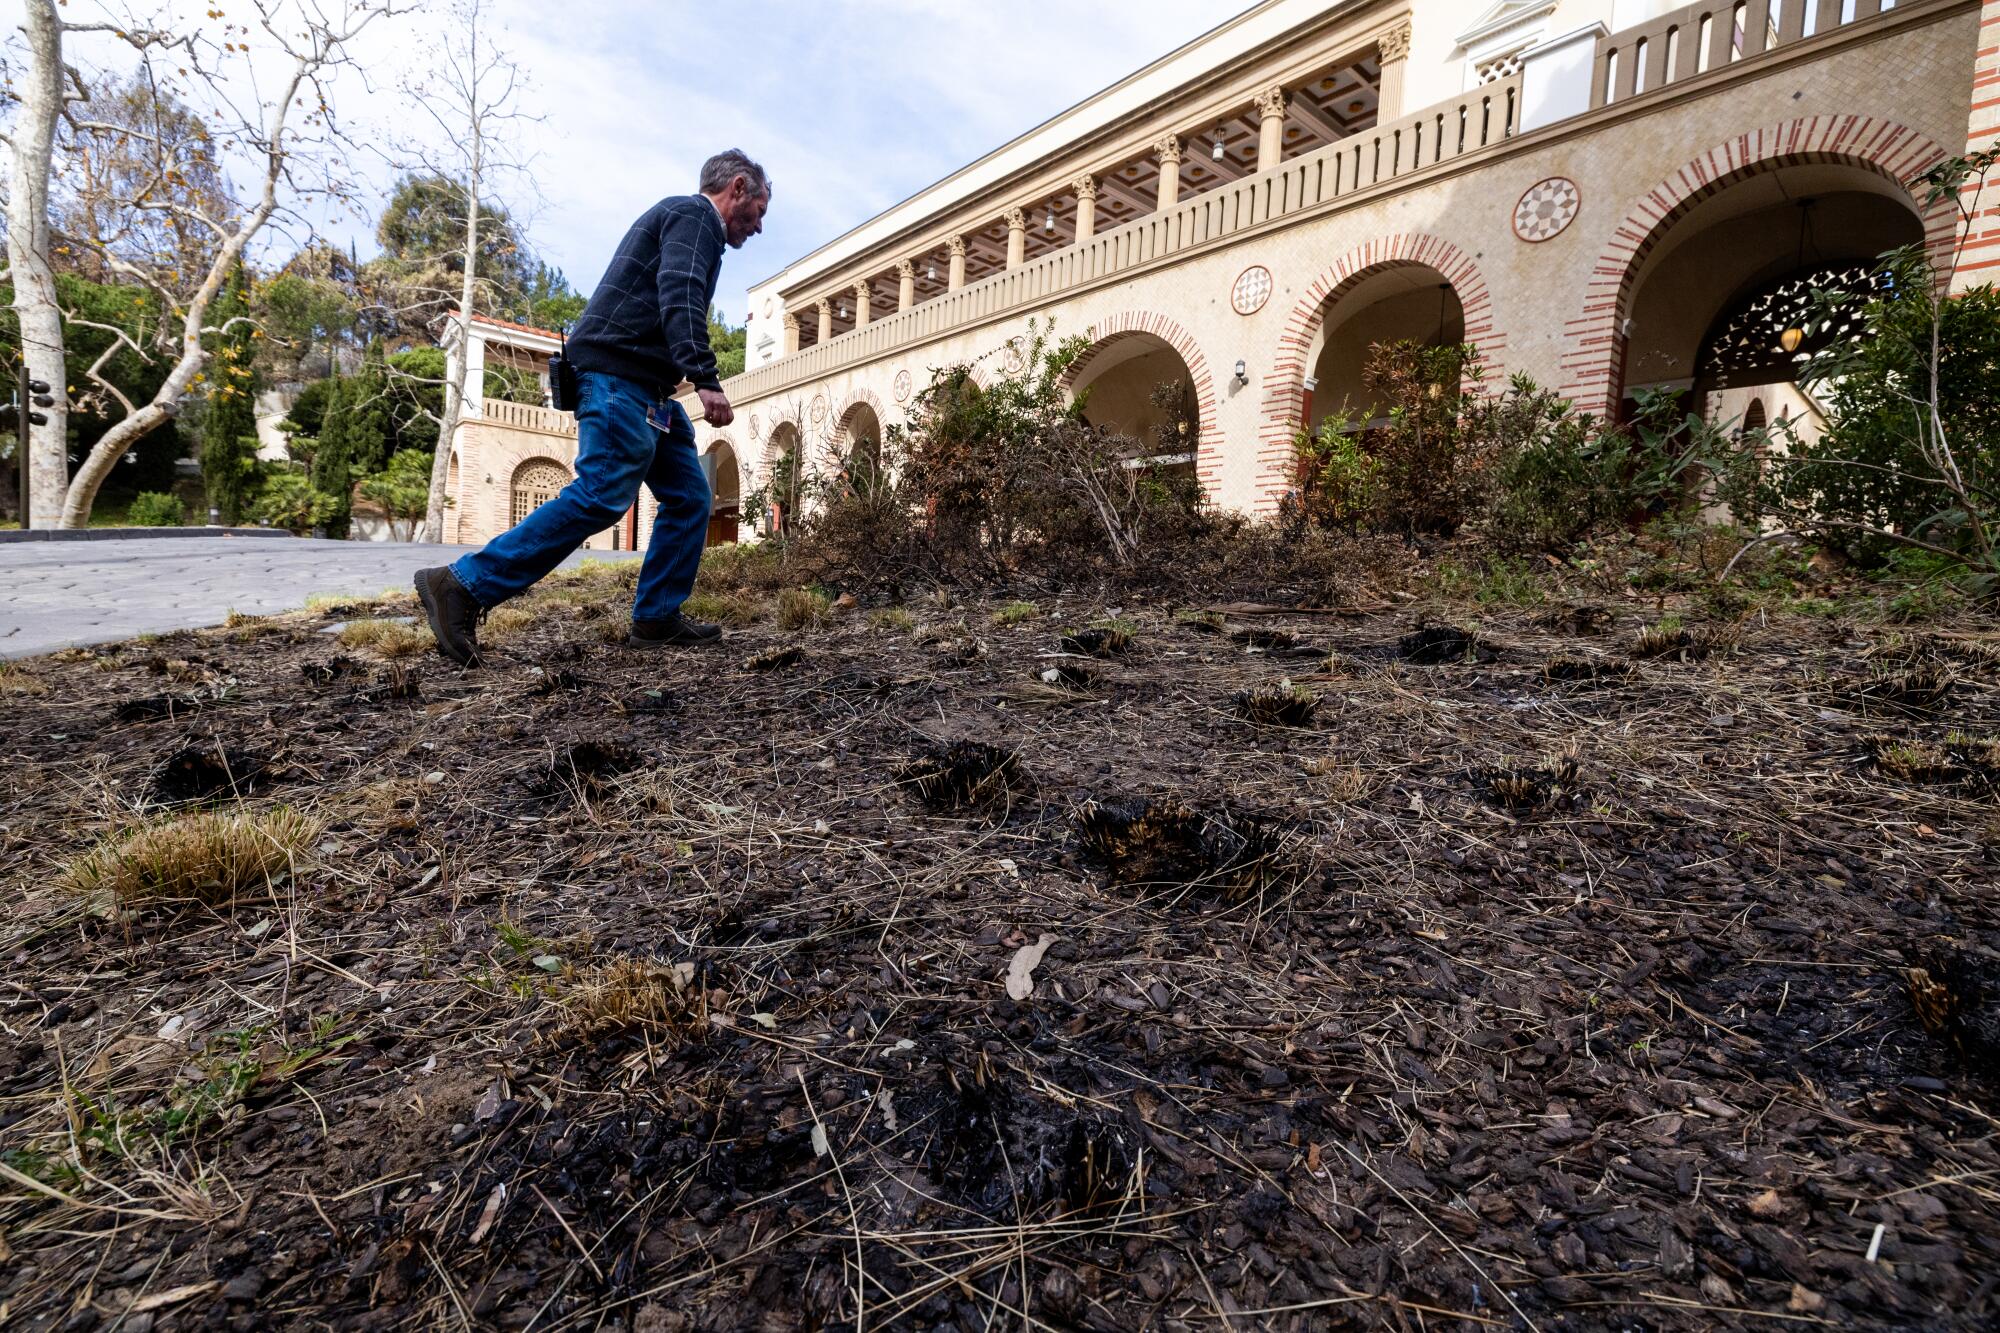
[644, 331]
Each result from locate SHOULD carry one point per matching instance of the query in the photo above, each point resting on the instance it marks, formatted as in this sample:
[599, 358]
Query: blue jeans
[625, 438]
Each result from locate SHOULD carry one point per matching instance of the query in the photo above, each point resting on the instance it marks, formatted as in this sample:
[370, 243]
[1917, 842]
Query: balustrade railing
[524, 416]
[1676, 46]
[1709, 35]
[1409, 144]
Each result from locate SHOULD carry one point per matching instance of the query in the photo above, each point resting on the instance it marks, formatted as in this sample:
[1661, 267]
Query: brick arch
[1593, 358]
[1285, 382]
[1110, 330]
[838, 441]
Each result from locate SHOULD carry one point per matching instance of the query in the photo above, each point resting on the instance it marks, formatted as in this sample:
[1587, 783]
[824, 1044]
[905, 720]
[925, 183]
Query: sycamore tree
[467, 100]
[124, 166]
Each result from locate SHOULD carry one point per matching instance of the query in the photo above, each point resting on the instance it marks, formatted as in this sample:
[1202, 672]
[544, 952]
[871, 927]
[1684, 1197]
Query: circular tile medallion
[819, 409]
[1546, 209]
[902, 386]
[1251, 290]
[1014, 358]
[756, 427]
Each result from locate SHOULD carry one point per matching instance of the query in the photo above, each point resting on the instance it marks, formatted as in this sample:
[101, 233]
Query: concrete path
[58, 594]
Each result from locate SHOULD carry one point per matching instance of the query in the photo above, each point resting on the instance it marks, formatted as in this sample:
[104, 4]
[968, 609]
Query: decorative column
[906, 285]
[1086, 207]
[956, 278]
[791, 332]
[1270, 128]
[1168, 150]
[825, 309]
[1017, 237]
[861, 294]
[1394, 46]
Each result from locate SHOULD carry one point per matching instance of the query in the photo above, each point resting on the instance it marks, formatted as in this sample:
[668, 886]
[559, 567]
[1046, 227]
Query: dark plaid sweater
[648, 319]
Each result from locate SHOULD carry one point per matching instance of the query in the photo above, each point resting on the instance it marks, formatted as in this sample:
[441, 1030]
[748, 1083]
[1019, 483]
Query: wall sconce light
[1311, 383]
[1791, 338]
[1242, 373]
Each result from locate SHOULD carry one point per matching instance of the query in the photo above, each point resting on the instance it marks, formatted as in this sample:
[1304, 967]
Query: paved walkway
[57, 594]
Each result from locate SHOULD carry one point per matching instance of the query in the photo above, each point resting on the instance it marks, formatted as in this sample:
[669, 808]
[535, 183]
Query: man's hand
[715, 408]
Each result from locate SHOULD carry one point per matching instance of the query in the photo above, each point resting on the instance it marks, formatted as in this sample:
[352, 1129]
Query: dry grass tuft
[1532, 788]
[723, 608]
[776, 659]
[803, 608]
[632, 994]
[894, 620]
[19, 684]
[505, 623]
[1342, 783]
[388, 638]
[963, 773]
[197, 858]
[1280, 705]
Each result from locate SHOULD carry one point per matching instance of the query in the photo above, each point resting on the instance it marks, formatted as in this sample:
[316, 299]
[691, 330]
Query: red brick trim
[1108, 330]
[843, 422]
[1285, 381]
[1593, 358]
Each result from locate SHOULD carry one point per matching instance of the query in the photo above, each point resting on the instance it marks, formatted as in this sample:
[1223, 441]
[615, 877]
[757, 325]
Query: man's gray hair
[726, 166]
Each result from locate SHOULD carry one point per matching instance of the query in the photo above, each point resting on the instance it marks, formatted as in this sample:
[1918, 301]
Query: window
[535, 484]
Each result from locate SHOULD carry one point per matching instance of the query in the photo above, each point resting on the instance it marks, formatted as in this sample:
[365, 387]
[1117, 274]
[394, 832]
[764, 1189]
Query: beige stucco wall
[1546, 308]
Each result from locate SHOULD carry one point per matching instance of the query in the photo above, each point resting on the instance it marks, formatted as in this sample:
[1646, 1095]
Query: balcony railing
[1677, 46]
[1707, 36]
[522, 416]
[1402, 147]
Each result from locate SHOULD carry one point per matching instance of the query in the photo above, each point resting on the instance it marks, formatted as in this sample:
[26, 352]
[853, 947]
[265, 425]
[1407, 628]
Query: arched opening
[535, 482]
[725, 487]
[857, 445]
[1138, 385]
[454, 501]
[1395, 303]
[1720, 302]
[784, 475]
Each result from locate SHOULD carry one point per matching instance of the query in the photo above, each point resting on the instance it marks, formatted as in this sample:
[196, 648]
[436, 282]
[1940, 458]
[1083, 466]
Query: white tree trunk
[41, 94]
[454, 383]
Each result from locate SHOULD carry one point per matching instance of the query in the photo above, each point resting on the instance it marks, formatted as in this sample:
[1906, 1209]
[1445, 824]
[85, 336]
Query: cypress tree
[333, 460]
[229, 431]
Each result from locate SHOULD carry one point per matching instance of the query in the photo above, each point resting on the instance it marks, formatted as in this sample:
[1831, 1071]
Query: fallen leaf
[1803, 1301]
[548, 962]
[1768, 1204]
[769, 1021]
[489, 1212]
[820, 1146]
[1021, 972]
[160, 1300]
[172, 1028]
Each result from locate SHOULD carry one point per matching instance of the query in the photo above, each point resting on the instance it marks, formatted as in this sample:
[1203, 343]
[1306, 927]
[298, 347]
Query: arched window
[535, 484]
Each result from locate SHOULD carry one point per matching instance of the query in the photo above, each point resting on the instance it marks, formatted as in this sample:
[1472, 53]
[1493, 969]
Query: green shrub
[402, 490]
[155, 509]
[804, 608]
[1336, 482]
[288, 500]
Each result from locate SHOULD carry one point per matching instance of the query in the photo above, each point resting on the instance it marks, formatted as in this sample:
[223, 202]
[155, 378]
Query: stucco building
[1602, 194]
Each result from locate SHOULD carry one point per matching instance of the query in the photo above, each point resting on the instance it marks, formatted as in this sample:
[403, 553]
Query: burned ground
[1537, 983]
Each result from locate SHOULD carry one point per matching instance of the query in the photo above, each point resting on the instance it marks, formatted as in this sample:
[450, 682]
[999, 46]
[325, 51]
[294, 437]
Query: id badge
[660, 416]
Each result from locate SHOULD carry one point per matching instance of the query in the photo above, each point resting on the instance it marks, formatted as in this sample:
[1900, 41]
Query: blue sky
[852, 105]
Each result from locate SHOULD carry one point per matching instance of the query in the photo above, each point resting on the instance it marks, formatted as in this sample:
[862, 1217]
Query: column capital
[955, 245]
[905, 268]
[1395, 43]
[862, 290]
[824, 305]
[1168, 149]
[1271, 102]
[1085, 188]
[1017, 219]
[792, 319]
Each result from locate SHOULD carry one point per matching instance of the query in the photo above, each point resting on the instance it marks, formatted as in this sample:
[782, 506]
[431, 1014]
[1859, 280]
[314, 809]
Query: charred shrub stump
[1957, 998]
[963, 774]
[1164, 843]
[203, 772]
[1443, 645]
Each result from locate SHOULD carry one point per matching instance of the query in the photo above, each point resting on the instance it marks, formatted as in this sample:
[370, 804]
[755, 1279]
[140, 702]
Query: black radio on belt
[562, 378]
